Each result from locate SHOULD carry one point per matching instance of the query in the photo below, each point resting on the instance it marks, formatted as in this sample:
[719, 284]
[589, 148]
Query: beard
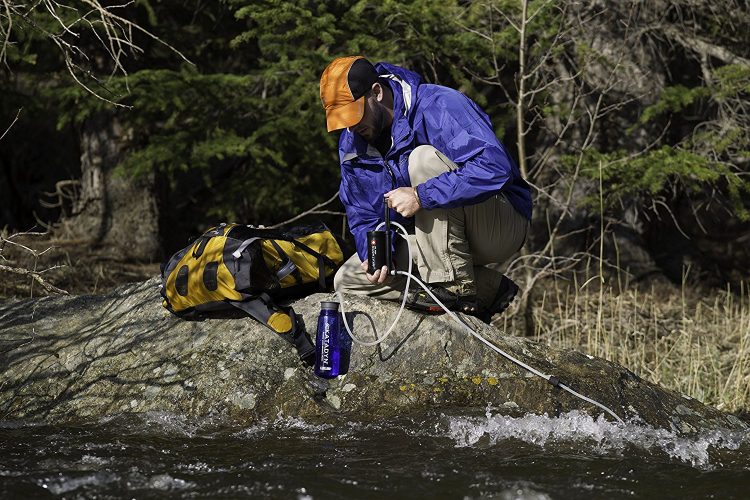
[377, 133]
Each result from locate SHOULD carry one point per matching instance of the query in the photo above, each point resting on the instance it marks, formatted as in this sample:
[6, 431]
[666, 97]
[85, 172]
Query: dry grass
[697, 344]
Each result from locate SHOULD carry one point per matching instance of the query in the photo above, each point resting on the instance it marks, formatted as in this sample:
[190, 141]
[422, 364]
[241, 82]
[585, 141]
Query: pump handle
[388, 252]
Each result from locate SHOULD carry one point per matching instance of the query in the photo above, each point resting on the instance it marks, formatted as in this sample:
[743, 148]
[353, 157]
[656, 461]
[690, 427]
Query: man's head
[353, 98]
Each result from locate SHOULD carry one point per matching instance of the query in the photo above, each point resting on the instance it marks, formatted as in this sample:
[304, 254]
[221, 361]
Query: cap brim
[345, 116]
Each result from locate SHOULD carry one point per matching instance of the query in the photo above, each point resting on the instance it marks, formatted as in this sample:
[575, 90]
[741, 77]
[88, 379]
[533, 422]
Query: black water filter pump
[379, 254]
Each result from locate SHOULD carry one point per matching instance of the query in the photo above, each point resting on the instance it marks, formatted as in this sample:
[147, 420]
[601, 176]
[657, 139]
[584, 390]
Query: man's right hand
[379, 277]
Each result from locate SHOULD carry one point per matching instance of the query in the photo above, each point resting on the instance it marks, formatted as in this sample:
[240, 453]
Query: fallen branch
[36, 275]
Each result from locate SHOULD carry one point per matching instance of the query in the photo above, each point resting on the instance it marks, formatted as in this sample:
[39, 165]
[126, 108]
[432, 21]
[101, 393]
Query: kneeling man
[431, 154]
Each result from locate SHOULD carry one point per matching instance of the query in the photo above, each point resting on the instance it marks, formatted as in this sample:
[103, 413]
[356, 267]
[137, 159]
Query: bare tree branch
[113, 32]
[313, 210]
[11, 124]
[703, 47]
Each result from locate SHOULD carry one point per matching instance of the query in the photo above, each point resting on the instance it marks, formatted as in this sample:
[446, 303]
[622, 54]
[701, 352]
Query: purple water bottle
[328, 341]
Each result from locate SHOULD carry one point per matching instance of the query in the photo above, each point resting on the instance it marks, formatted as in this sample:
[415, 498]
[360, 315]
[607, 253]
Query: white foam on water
[520, 492]
[282, 423]
[165, 482]
[163, 423]
[602, 436]
[64, 484]
[93, 460]
[298, 423]
[198, 467]
[252, 431]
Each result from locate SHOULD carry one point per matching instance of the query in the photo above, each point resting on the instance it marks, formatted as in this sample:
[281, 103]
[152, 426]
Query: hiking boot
[419, 300]
[506, 292]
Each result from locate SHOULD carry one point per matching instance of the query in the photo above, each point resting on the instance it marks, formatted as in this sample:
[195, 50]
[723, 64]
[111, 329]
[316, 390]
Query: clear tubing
[509, 357]
[492, 346]
[403, 302]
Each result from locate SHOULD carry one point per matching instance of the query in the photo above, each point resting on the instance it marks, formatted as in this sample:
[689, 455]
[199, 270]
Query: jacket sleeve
[361, 218]
[454, 125]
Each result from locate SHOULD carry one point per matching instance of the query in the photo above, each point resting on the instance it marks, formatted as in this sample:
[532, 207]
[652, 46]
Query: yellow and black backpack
[250, 268]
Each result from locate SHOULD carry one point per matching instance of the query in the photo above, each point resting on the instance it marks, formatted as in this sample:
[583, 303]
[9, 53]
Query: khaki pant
[465, 246]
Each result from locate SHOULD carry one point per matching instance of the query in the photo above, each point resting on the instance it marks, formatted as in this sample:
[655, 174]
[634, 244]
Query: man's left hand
[403, 200]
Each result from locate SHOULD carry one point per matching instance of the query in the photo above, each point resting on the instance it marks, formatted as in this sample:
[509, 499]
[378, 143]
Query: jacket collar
[401, 132]
[404, 85]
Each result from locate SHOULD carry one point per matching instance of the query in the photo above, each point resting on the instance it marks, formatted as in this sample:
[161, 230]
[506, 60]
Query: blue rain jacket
[437, 116]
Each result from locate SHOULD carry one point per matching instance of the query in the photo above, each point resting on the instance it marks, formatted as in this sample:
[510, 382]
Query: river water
[466, 453]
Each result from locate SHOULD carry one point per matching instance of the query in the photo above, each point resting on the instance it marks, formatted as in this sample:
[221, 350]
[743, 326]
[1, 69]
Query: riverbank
[93, 356]
[693, 342]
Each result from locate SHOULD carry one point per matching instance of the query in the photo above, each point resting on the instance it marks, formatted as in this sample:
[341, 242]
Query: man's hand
[379, 277]
[403, 200]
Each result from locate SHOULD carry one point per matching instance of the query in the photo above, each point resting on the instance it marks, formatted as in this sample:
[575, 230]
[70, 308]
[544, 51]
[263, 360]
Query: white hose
[492, 346]
[403, 302]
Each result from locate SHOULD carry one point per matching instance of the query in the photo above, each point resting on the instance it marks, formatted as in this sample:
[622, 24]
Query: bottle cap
[330, 306]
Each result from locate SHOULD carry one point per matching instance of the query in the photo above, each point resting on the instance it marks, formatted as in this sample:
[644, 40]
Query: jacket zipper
[393, 176]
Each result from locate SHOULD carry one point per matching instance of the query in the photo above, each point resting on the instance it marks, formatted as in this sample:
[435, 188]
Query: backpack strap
[323, 260]
[327, 260]
[246, 243]
[289, 267]
[282, 320]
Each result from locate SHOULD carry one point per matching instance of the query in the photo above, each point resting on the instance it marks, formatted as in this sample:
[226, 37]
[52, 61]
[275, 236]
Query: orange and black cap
[342, 86]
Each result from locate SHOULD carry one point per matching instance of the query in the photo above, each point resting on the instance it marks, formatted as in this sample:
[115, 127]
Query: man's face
[373, 122]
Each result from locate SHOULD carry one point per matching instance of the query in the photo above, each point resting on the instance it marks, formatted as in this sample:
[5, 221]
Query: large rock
[90, 356]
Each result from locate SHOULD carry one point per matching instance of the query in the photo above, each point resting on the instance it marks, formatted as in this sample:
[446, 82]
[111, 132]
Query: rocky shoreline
[65, 358]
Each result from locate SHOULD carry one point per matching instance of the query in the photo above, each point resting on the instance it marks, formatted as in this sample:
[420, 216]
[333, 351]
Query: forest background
[129, 128]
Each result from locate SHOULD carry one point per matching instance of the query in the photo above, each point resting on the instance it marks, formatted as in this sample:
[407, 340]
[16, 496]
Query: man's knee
[340, 280]
[420, 155]
[350, 277]
[426, 162]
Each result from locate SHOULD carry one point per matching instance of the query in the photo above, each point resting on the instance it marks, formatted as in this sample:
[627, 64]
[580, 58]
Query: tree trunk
[113, 211]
